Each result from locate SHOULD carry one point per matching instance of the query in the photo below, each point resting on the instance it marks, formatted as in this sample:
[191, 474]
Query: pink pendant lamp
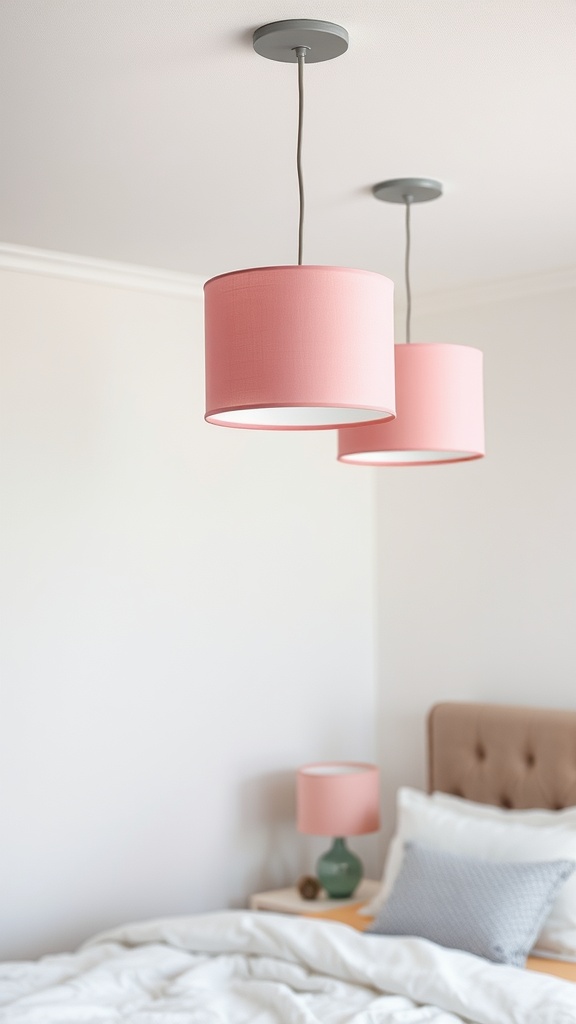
[439, 388]
[299, 347]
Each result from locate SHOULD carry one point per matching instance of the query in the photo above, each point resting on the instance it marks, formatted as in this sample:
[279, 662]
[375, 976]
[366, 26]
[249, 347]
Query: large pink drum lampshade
[440, 411]
[338, 799]
[299, 348]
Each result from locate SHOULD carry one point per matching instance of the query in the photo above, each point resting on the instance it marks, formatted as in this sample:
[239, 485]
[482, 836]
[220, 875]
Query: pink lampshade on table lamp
[338, 799]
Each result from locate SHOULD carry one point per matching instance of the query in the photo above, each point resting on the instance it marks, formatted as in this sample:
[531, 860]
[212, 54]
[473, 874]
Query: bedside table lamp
[338, 799]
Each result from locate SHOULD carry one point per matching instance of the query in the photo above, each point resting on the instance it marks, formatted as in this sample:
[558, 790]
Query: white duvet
[239, 967]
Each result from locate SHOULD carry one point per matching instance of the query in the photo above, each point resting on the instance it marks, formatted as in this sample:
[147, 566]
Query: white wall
[477, 562]
[187, 617]
[189, 611]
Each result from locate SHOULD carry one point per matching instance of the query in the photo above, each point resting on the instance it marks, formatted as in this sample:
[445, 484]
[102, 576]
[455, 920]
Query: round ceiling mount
[278, 41]
[408, 190]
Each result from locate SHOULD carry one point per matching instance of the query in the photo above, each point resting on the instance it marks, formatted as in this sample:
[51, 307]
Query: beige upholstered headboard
[509, 756]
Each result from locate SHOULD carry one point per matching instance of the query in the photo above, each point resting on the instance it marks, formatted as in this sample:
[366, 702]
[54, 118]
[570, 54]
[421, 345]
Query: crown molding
[172, 282]
[27, 260]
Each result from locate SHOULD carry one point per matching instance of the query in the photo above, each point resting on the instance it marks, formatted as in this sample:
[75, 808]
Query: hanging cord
[301, 55]
[408, 201]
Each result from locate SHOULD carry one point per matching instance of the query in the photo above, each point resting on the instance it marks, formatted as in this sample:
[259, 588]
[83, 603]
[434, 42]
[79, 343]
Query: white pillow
[565, 818]
[433, 822]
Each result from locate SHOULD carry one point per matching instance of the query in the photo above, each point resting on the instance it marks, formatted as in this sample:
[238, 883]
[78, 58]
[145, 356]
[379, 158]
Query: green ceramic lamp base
[339, 870]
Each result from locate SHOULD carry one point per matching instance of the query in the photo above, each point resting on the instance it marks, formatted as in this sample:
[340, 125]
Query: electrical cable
[301, 55]
[408, 201]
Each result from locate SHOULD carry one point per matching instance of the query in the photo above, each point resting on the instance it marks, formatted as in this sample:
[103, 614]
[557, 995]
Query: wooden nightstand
[289, 901]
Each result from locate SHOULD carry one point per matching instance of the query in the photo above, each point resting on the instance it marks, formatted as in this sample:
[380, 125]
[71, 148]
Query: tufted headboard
[509, 756]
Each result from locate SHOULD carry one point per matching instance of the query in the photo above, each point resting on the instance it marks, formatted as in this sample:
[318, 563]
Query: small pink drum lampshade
[439, 411]
[299, 348]
[338, 799]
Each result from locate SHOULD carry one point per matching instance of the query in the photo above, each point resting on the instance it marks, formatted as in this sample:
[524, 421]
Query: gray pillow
[494, 909]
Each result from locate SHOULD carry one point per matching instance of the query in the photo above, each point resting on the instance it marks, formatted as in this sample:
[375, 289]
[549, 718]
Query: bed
[235, 967]
[515, 758]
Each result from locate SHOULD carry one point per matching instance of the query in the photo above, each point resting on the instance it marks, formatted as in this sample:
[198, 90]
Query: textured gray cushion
[492, 908]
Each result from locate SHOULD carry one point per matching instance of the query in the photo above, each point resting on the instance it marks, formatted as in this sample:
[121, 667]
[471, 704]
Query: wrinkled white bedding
[237, 967]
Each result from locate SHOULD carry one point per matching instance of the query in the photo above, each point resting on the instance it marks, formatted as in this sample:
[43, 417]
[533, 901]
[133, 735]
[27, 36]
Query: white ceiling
[149, 131]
